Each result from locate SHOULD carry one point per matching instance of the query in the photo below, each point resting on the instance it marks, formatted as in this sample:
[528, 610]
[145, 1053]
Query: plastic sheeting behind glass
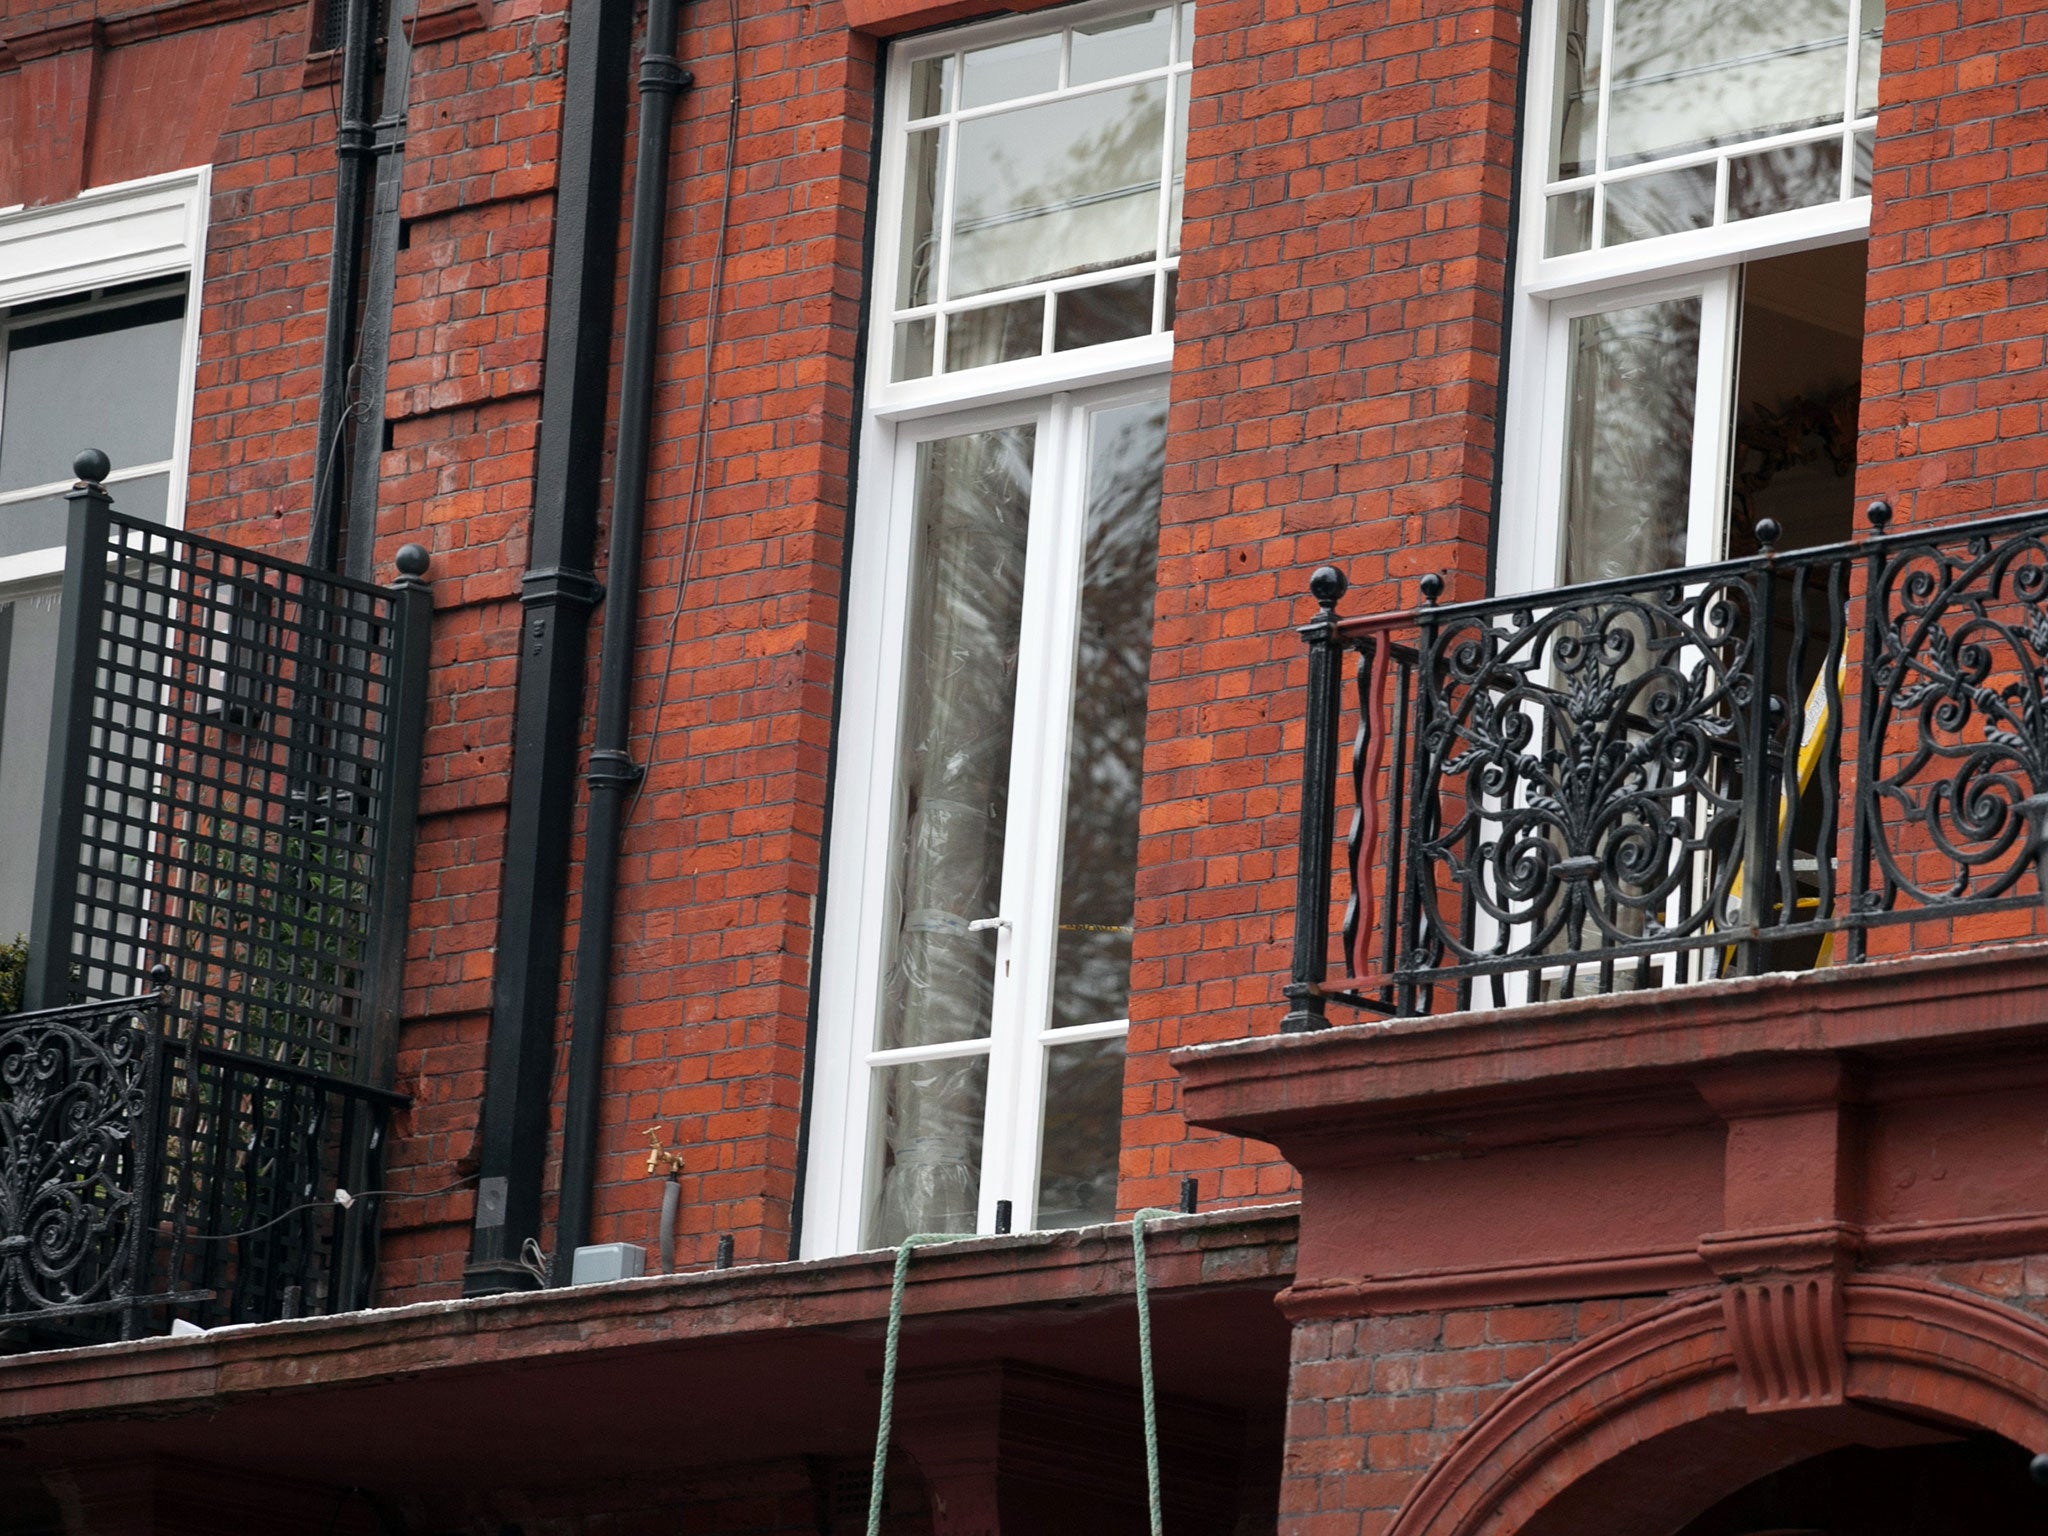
[972, 497]
[931, 1116]
[973, 501]
[1628, 453]
[1106, 747]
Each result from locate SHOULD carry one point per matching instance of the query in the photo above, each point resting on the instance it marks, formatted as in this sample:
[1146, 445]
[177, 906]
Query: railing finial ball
[1432, 587]
[1327, 585]
[92, 466]
[411, 560]
[1880, 514]
[1767, 532]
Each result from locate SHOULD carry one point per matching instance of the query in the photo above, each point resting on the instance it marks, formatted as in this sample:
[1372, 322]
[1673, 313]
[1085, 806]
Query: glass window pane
[1644, 207]
[1793, 176]
[39, 522]
[973, 505]
[1867, 61]
[1628, 457]
[913, 350]
[924, 180]
[1070, 186]
[1177, 196]
[1185, 50]
[1687, 75]
[1086, 317]
[1120, 45]
[930, 1176]
[1084, 1090]
[1568, 223]
[1859, 171]
[931, 87]
[1172, 297]
[28, 669]
[1578, 86]
[1009, 70]
[995, 333]
[1106, 749]
[107, 379]
[36, 524]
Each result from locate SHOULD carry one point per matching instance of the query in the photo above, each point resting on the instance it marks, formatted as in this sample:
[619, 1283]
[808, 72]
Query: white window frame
[1058, 390]
[1550, 291]
[107, 237]
[112, 236]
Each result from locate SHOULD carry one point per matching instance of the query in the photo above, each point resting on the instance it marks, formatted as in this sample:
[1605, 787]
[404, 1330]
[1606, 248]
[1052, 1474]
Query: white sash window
[99, 327]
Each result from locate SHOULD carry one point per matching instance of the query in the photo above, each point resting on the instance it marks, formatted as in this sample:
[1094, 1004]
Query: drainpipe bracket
[614, 768]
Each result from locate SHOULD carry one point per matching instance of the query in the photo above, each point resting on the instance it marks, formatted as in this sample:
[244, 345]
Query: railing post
[1763, 768]
[1410, 996]
[405, 703]
[405, 697]
[1318, 807]
[1869, 738]
[55, 914]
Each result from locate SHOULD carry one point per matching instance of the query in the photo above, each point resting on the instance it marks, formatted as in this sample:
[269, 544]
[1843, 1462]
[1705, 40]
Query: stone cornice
[130, 27]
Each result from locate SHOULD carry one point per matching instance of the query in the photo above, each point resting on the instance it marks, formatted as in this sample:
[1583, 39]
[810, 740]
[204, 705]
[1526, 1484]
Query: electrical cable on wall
[344, 1198]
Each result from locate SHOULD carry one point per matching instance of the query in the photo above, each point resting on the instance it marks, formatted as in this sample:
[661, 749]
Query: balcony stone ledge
[1050, 1298]
[1728, 1133]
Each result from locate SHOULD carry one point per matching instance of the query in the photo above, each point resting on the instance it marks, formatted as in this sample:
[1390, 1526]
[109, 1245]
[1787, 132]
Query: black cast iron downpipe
[612, 772]
[373, 349]
[355, 149]
[557, 592]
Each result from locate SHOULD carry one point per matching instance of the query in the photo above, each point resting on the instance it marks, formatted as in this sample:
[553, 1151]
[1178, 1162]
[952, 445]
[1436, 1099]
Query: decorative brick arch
[1939, 1353]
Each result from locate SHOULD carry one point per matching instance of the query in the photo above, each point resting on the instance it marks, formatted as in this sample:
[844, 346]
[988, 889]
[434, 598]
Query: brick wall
[1376, 1402]
[1334, 400]
[1954, 372]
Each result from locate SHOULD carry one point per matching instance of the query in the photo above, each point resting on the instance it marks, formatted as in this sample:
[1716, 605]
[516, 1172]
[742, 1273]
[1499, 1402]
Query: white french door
[1632, 431]
[974, 969]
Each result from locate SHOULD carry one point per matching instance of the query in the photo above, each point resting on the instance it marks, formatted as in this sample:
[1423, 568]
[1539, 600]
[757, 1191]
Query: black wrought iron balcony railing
[146, 1175]
[1795, 759]
[218, 936]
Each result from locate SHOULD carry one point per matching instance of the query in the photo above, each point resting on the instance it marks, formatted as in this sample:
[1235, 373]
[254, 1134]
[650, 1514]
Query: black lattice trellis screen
[233, 775]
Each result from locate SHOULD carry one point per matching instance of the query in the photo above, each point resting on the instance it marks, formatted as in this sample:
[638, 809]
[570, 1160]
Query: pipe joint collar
[558, 585]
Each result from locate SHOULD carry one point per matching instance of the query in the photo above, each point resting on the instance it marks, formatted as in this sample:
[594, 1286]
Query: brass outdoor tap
[661, 1161]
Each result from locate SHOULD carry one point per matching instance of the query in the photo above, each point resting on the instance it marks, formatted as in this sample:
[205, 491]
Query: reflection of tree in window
[1628, 459]
[1051, 191]
[1106, 752]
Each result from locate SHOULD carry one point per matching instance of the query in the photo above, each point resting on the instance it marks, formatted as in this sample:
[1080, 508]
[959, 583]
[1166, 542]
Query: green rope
[1145, 1365]
[915, 1240]
[895, 1333]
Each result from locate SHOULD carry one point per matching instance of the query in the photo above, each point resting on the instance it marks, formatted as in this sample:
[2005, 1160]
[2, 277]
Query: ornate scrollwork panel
[1583, 764]
[1959, 732]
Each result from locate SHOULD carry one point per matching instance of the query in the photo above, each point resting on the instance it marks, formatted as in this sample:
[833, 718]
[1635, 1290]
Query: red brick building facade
[1532, 1243]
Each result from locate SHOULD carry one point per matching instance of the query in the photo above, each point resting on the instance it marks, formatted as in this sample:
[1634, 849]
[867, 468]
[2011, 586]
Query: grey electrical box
[596, 1263]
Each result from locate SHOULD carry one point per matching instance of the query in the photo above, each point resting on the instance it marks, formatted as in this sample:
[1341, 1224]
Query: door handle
[983, 924]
